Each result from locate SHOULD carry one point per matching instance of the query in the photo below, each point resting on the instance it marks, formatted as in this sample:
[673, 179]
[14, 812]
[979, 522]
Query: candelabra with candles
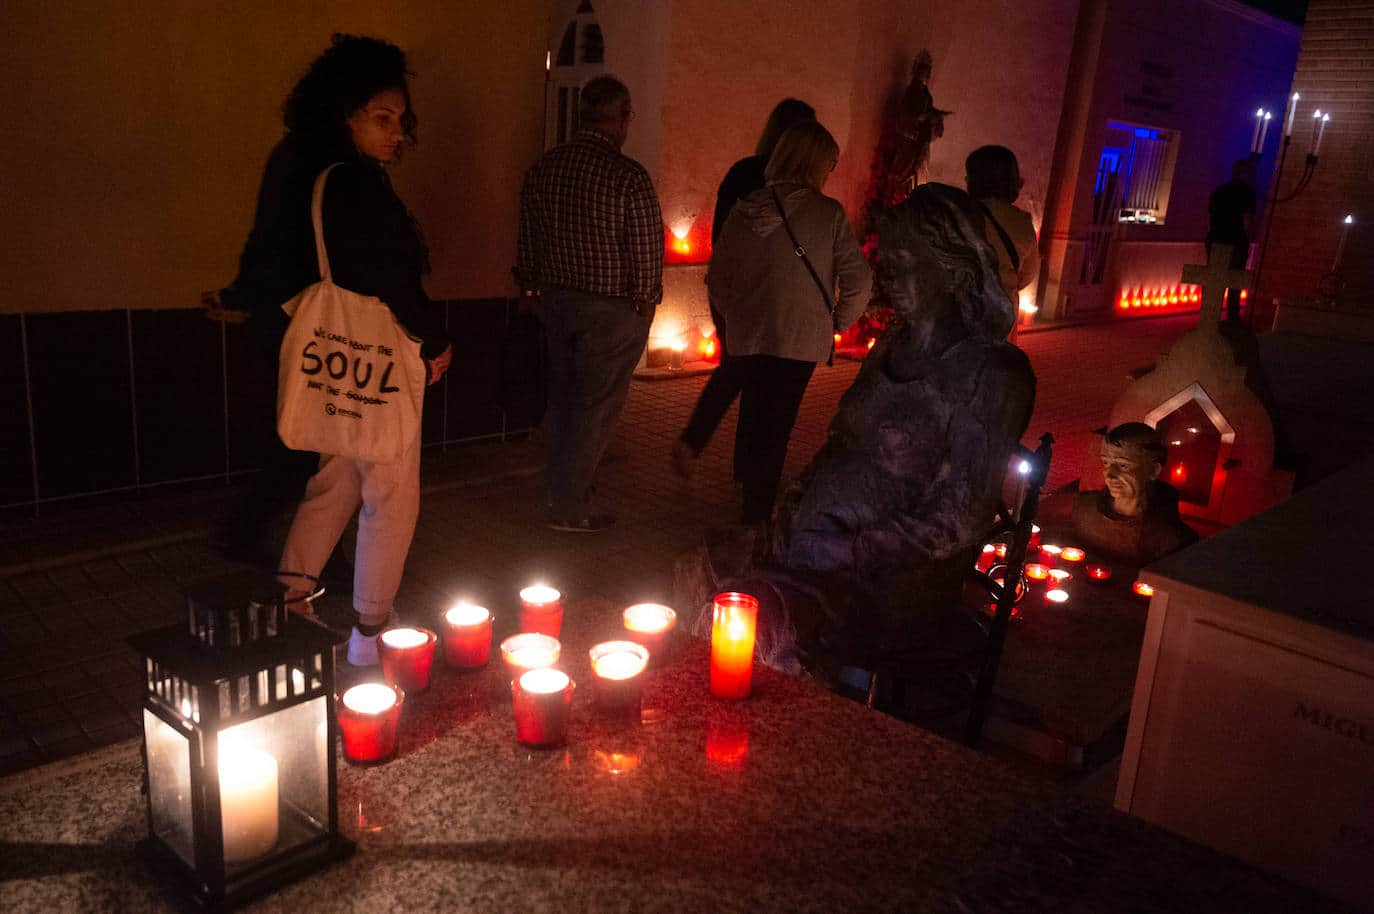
[1276, 195]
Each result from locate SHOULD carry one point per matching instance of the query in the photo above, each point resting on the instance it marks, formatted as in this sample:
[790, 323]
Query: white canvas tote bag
[350, 380]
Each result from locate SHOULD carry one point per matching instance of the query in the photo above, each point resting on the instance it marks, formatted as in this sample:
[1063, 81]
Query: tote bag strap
[317, 219]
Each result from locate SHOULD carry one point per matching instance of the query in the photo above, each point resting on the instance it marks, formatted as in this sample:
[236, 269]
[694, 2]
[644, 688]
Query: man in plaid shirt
[591, 245]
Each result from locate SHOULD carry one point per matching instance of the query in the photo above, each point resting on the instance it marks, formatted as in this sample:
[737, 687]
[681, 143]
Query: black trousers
[720, 391]
[771, 391]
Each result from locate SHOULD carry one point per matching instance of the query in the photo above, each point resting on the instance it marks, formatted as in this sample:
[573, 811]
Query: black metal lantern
[238, 743]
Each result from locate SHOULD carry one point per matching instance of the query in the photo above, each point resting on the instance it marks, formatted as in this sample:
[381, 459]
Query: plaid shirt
[589, 221]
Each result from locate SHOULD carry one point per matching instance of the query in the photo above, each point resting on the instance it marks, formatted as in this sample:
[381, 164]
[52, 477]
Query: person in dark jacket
[726, 382]
[351, 107]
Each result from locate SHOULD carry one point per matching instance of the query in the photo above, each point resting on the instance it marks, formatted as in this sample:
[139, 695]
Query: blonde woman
[780, 307]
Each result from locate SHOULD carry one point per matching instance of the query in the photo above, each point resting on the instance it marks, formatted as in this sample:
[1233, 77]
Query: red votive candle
[1098, 572]
[406, 654]
[528, 651]
[1056, 596]
[541, 610]
[369, 718]
[1035, 537]
[1037, 572]
[1059, 576]
[1072, 554]
[1049, 555]
[542, 700]
[467, 636]
[652, 625]
[735, 620]
[1143, 589]
[986, 558]
[617, 668]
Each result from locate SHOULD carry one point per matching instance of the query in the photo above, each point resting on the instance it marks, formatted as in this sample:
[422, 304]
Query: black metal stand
[1005, 593]
[1309, 168]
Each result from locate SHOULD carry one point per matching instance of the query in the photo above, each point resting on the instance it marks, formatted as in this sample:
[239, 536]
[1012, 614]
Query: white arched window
[580, 54]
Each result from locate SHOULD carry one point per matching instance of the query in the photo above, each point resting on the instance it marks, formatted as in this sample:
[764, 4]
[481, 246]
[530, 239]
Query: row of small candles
[369, 714]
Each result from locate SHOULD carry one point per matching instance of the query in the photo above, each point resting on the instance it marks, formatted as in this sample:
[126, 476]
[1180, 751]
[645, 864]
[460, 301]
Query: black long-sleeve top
[374, 246]
[743, 178]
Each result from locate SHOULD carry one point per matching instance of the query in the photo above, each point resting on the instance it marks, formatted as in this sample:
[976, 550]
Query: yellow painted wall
[136, 134]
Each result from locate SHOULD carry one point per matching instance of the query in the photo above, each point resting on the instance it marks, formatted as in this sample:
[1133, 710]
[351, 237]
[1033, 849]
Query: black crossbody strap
[800, 251]
[1006, 239]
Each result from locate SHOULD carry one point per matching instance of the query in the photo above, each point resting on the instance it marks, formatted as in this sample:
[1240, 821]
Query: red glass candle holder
[1072, 554]
[541, 610]
[1034, 537]
[1037, 572]
[1049, 555]
[1099, 572]
[986, 558]
[733, 627]
[370, 721]
[529, 651]
[543, 701]
[1056, 597]
[1058, 576]
[652, 625]
[1142, 589]
[617, 674]
[407, 655]
[467, 636]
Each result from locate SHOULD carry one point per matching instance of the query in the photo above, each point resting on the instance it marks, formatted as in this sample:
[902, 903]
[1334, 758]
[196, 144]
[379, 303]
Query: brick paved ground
[85, 579]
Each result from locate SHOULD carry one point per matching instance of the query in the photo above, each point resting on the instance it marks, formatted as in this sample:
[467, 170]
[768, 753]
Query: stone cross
[1215, 278]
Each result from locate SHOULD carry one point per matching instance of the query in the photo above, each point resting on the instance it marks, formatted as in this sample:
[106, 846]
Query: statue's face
[1129, 472]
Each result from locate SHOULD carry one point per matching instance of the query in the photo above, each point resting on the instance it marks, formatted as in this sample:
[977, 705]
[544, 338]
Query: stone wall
[138, 135]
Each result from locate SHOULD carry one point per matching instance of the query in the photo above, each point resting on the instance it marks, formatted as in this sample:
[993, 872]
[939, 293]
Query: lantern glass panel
[274, 781]
[169, 785]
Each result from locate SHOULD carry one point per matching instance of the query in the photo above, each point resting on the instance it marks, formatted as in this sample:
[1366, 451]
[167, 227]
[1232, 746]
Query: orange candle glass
[1072, 554]
[1037, 572]
[652, 625]
[736, 617]
[529, 651]
[541, 610]
[617, 680]
[1143, 589]
[543, 700]
[369, 719]
[467, 636]
[407, 655]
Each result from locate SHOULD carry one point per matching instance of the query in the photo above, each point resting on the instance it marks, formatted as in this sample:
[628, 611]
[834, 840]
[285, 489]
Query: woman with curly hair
[352, 107]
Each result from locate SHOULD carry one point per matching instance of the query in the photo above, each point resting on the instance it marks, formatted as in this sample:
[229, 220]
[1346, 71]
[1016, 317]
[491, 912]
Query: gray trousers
[594, 341]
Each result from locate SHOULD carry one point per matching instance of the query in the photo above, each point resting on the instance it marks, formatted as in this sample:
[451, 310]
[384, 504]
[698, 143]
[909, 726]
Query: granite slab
[1068, 671]
[1301, 559]
[794, 800]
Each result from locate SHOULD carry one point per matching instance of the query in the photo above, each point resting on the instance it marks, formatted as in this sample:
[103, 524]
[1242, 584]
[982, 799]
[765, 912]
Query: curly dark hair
[342, 80]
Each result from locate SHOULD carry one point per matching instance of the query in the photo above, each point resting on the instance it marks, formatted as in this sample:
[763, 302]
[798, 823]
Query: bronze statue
[1135, 518]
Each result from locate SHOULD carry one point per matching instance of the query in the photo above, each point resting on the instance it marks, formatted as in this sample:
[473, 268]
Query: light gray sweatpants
[390, 497]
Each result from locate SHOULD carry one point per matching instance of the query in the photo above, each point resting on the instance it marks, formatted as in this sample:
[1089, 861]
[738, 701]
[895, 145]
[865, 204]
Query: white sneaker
[362, 649]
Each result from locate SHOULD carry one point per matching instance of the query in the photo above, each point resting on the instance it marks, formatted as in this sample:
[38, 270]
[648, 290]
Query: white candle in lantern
[248, 803]
[1254, 140]
[1292, 112]
[1348, 221]
[1321, 132]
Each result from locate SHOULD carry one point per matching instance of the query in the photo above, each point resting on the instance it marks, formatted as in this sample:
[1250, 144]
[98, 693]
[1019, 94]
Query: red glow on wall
[687, 243]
